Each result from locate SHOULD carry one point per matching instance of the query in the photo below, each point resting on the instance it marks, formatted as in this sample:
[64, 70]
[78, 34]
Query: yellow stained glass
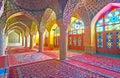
[108, 28]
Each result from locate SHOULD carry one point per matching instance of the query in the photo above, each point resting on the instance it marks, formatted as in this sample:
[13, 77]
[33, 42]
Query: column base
[90, 50]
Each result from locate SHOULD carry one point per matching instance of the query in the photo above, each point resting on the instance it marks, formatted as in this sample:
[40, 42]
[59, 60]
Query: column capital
[61, 24]
[26, 35]
[31, 34]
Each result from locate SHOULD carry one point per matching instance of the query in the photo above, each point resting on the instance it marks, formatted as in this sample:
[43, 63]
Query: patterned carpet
[100, 61]
[23, 58]
[18, 49]
[3, 61]
[52, 69]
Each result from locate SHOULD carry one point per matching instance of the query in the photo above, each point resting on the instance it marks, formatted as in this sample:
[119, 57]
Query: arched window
[75, 36]
[108, 32]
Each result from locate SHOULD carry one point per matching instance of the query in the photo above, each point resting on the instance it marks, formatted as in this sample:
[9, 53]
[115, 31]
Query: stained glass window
[75, 33]
[99, 29]
[70, 40]
[46, 34]
[100, 22]
[109, 28]
[118, 39]
[99, 40]
[74, 41]
[77, 27]
[108, 22]
[79, 41]
[109, 40]
[55, 41]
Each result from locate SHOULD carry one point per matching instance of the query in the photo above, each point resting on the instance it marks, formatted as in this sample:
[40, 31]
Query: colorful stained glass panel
[118, 39]
[99, 22]
[70, 38]
[108, 28]
[79, 41]
[99, 40]
[74, 41]
[109, 40]
[117, 26]
[99, 29]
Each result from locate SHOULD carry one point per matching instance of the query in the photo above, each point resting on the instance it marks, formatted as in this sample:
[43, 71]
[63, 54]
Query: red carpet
[53, 55]
[3, 61]
[23, 58]
[52, 69]
[45, 48]
[100, 61]
[14, 50]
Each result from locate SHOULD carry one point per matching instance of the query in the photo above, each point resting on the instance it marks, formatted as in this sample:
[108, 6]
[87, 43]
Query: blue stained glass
[114, 19]
[118, 39]
[99, 22]
[109, 40]
[99, 36]
[99, 40]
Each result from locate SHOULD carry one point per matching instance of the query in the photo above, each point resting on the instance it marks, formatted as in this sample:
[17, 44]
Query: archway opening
[76, 34]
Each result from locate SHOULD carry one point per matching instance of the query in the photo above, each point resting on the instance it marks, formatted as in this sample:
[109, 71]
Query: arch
[67, 13]
[49, 15]
[19, 22]
[20, 14]
[16, 27]
[34, 28]
[95, 19]
[51, 35]
[76, 34]
[14, 36]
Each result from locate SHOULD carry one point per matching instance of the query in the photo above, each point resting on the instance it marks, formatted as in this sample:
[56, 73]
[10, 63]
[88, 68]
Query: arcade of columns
[19, 14]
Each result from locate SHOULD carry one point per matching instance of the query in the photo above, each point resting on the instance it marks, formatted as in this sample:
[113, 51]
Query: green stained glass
[117, 27]
[99, 22]
[79, 41]
[80, 31]
[74, 41]
[99, 29]
[70, 40]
